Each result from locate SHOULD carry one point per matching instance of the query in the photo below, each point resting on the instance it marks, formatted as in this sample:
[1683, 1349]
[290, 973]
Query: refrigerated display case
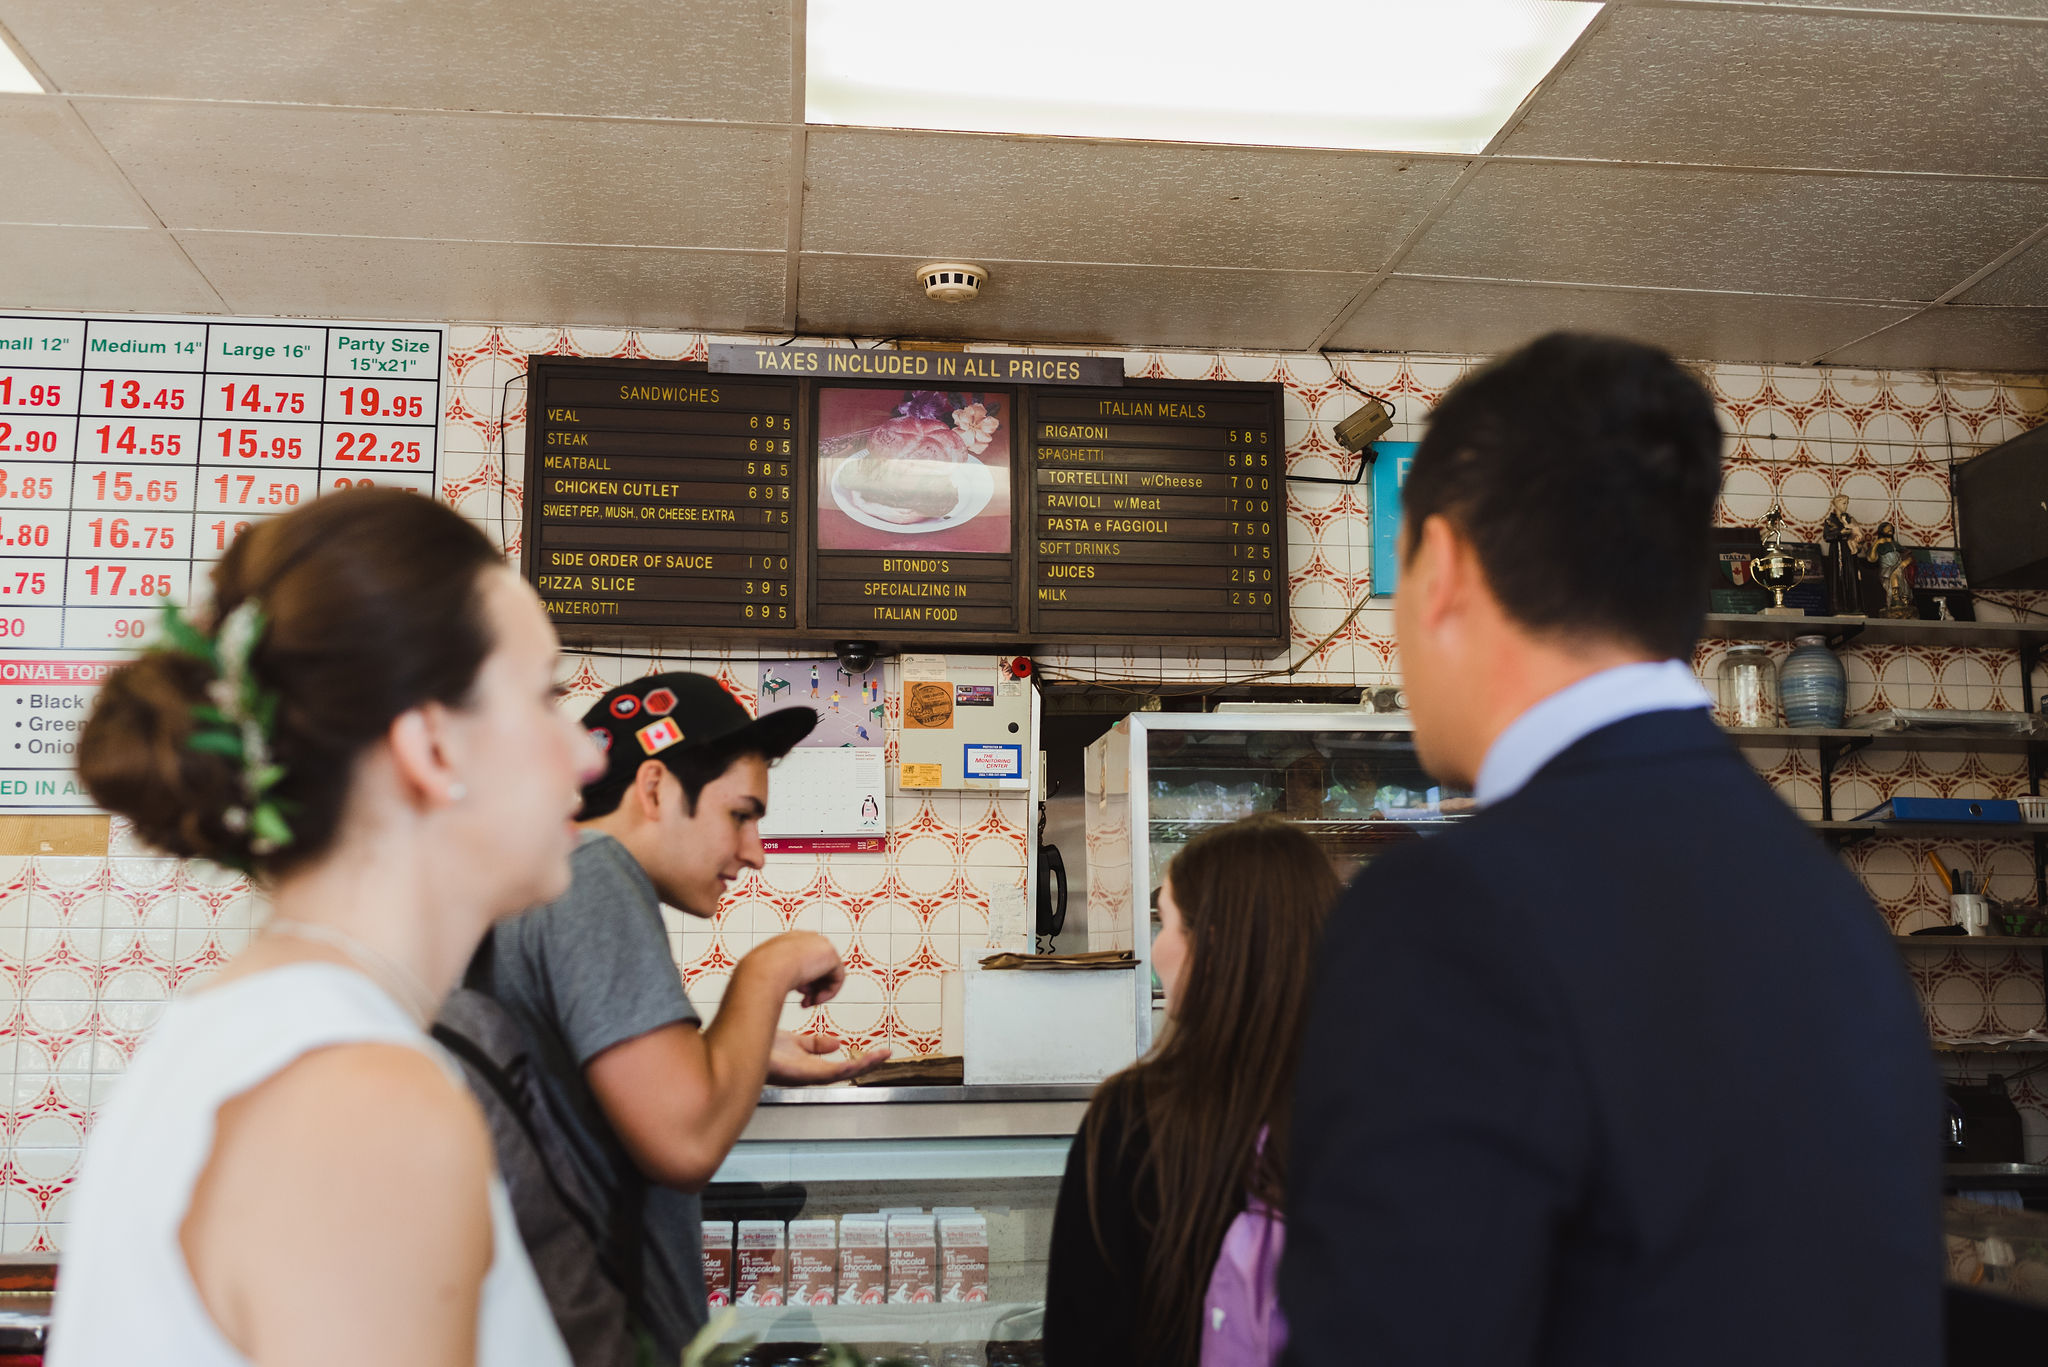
[1348, 777]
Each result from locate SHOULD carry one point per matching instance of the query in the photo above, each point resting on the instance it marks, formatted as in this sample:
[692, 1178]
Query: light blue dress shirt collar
[1569, 715]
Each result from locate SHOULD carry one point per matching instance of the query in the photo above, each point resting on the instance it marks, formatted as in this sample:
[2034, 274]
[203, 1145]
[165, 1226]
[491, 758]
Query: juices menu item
[1159, 511]
[661, 496]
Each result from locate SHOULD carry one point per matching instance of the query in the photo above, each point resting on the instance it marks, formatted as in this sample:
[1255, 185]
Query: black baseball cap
[670, 716]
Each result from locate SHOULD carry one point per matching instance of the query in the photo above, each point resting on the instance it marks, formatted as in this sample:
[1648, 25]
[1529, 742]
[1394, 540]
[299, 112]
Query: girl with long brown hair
[1175, 1148]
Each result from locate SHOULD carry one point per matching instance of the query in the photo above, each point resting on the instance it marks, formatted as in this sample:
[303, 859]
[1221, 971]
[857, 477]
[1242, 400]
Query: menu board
[1158, 512]
[133, 450]
[659, 495]
[665, 496]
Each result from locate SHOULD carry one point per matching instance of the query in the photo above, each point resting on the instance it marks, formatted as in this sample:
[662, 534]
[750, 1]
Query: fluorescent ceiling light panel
[1390, 75]
[15, 78]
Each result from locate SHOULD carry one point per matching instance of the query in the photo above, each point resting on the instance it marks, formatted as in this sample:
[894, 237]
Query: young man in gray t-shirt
[674, 818]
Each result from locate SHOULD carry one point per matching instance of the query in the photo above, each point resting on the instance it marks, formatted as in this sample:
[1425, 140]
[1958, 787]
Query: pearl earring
[457, 792]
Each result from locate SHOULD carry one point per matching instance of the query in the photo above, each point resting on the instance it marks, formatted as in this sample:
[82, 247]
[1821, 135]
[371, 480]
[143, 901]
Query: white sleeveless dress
[125, 1294]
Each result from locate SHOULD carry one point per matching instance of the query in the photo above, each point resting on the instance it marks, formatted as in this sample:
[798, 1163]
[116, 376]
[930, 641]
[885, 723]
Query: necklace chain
[397, 981]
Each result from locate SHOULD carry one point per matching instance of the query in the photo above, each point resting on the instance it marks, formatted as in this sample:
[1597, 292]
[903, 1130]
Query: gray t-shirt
[581, 974]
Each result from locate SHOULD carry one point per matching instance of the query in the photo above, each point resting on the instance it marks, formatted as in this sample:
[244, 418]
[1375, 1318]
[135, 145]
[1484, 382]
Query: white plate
[975, 482]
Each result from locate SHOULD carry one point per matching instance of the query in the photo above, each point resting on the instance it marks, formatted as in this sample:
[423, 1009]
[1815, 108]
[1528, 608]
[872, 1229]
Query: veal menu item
[913, 510]
[813, 1262]
[660, 495]
[760, 1275]
[1159, 510]
[863, 1260]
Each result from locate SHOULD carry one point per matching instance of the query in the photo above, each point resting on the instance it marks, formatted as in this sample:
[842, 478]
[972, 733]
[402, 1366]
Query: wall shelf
[1736, 626]
[1777, 737]
[1921, 830]
[1974, 941]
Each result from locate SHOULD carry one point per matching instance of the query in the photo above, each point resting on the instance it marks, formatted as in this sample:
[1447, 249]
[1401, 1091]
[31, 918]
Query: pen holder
[1971, 911]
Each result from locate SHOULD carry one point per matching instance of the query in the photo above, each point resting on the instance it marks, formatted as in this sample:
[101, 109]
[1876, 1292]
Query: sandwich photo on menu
[913, 470]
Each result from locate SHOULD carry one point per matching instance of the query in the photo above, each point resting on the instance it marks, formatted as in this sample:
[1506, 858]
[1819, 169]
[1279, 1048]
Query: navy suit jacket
[1625, 1070]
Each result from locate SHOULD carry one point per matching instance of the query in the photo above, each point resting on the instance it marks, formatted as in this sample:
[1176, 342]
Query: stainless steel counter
[907, 1133]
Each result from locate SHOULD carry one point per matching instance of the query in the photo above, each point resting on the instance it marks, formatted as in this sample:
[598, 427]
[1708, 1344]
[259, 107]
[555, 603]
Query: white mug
[1971, 911]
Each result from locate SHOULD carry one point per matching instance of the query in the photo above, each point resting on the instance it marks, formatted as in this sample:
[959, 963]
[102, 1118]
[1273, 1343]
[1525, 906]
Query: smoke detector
[951, 282]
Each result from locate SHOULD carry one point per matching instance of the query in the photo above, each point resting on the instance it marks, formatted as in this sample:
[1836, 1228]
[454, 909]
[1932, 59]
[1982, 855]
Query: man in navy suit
[1626, 1069]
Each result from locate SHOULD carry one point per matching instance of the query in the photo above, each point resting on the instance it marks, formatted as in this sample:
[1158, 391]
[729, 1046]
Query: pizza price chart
[134, 450]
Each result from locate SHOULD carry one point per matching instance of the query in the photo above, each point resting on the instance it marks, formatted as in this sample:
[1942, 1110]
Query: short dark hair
[1583, 470]
[695, 767]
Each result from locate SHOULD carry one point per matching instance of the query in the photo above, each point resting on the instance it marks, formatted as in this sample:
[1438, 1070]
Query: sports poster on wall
[133, 450]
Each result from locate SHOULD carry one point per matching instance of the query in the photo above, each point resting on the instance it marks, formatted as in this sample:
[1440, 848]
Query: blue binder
[1992, 811]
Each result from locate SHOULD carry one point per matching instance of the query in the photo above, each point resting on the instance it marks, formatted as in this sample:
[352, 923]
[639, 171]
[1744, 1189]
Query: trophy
[1776, 568]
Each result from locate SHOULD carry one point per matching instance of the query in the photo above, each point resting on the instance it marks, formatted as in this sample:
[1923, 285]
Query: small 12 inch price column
[382, 409]
[40, 384]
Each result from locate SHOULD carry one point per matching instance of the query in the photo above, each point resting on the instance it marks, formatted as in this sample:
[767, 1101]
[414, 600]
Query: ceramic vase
[1813, 689]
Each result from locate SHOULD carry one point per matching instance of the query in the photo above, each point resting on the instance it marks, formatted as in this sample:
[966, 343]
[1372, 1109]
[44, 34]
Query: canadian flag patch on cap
[656, 737]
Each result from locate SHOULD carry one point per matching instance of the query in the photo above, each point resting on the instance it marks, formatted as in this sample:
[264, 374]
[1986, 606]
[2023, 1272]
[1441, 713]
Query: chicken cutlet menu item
[660, 495]
[1159, 509]
[913, 510]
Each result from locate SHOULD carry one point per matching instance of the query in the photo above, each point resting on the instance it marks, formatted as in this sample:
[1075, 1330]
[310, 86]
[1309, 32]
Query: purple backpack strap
[1242, 1325]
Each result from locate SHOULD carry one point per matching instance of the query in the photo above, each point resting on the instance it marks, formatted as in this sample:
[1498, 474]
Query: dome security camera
[856, 657]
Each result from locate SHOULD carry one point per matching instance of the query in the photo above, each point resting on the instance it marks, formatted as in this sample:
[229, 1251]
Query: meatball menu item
[660, 495]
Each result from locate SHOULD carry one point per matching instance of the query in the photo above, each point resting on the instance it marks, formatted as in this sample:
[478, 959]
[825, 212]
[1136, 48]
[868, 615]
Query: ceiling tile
[345, 277]
[939, 195]
[1853, 237]
[450, 175]
[1081, 305]
[118, 270]
[1799, 88]
[709, 59]
[1486, 317]
[2022, 280]
[54, 171]
[1957, 338]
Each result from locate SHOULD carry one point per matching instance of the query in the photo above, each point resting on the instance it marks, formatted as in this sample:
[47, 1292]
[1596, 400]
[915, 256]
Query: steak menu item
[863, 1260]
[813, 1262]
[963, 1241]
[913, 1260]
[718, 1262]
[761, 1273]
[906, 474]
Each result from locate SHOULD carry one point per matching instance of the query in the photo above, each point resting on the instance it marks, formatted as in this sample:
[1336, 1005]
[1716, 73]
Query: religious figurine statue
[1841, 536]
[1894, 571]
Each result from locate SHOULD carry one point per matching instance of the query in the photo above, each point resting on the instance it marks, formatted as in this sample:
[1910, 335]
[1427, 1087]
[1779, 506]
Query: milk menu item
[913, 1260]
[760, 1277]
[963, 1250]
[718, 1262]
[813, 1262]
[863, 1260]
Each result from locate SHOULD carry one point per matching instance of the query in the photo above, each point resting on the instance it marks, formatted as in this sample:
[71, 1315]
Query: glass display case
[1348, 777]
[932, 1205]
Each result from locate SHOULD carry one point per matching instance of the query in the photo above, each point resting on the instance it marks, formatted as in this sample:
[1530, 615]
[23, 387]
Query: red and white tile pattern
[92, 948]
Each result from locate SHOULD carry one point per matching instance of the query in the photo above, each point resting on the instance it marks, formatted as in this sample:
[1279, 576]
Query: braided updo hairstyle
[373, 608]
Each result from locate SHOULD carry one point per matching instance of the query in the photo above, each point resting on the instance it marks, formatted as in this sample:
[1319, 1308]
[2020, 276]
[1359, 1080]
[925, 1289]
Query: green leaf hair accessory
[237, 720]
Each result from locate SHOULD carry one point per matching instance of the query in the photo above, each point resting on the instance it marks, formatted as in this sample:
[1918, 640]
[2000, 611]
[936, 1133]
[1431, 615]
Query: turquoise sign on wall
[1389, 473]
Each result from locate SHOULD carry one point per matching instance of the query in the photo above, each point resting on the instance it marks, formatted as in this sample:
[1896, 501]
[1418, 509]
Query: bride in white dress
[290, 1172]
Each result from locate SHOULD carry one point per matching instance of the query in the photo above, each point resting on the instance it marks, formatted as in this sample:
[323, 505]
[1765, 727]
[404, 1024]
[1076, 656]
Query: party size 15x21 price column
[134, 450]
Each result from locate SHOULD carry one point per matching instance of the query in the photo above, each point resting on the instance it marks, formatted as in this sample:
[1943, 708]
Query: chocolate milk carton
[718, 1262]
[813, 1262]
[913, 1260]
[863, 1260]
[759, 1278]
[963, 1250]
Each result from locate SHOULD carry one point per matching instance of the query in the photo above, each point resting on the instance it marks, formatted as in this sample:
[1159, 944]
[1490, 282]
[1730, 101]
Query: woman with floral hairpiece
[365, 721]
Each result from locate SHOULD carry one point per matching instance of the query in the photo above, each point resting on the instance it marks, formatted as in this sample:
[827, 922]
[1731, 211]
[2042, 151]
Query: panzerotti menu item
[1158, 511]
[662, 496]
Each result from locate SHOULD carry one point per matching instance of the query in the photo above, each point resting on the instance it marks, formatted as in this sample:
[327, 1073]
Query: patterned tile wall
[90, 949]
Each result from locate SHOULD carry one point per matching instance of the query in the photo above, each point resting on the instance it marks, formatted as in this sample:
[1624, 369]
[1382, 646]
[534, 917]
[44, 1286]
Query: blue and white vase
[1813, 689]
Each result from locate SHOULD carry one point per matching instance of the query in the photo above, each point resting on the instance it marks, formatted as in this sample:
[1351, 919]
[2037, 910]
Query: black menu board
[663, 498]
[659, 495]
[1159, 510]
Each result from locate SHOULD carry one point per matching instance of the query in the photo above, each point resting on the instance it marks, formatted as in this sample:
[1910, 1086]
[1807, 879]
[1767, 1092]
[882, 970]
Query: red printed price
[33, 390]
[142, 441]
[26, 535]
[414, 481]
[255, 399]
[249, 443]
[225, 532]
[140, 394]
[122, 581]
[126, 486]
[374, 446]
[42, 438]
[120, 534]
[19, 487]
[32, 581]
[252, 491]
